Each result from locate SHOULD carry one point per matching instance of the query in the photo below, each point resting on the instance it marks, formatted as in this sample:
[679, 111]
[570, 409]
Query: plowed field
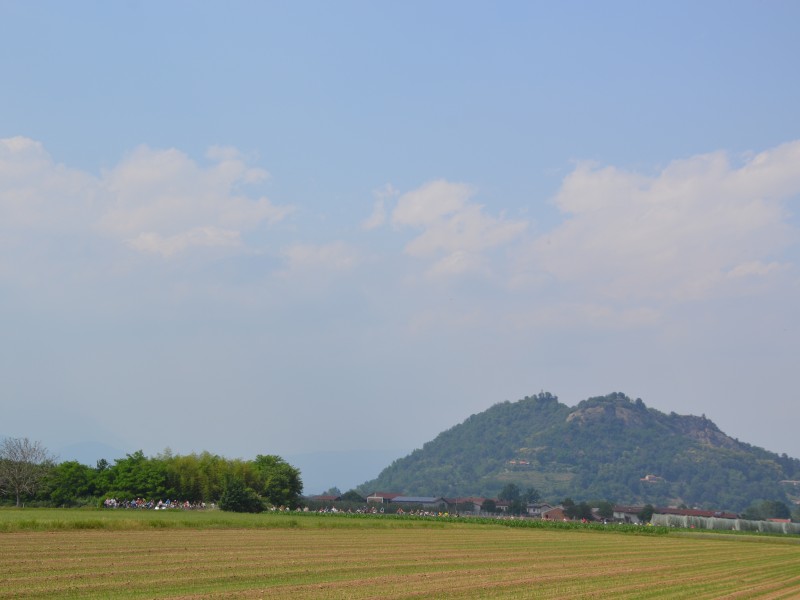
[457, 561]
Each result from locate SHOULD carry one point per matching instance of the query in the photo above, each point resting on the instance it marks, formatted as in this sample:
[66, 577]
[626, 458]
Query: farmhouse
[554, 514]
[537, 509]
[627, 514]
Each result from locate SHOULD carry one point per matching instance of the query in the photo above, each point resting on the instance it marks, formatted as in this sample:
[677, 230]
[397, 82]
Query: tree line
[30, 475]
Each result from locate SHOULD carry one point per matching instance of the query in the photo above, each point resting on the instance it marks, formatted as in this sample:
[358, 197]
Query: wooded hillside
[605, 447]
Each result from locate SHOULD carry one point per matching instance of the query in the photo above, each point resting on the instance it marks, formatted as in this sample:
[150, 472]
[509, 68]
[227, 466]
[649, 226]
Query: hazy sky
[301, 227]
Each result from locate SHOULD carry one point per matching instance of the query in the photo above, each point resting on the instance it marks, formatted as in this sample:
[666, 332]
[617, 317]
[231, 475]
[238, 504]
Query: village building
[627, 514]
[554, 514]
[381, 497]
[471, 504]
[425, 502]
[537, 509]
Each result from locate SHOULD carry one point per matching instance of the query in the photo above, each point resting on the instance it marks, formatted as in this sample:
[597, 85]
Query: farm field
[276, 556]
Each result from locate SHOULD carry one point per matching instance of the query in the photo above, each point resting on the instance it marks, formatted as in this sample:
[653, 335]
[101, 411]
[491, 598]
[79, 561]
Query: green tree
[212, 472]
[183, 477]
[278, 481]
[237, 497]
[767, 509]
[584, 511]
[775, 509]
[137, 476]
[489, 506]
[353, 496]
[576, 511]
[509, 493]
[646, 514]
[605, 510]
[532, 495]
[517, 503]
[68, 482]
[101, 477]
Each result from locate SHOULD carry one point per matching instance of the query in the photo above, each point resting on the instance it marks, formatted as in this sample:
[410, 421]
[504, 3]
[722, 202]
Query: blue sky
[303, 228]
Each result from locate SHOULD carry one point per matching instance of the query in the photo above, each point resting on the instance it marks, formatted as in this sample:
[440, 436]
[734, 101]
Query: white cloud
[455, 231]
[431, 203]
[153, 201]
[36, 193]
[166, 194]
[673, 236]
[457, 263]
[233, 166]
[209, 237]
[378, 216]
[337, 256]
[756, 268]
[465, 230]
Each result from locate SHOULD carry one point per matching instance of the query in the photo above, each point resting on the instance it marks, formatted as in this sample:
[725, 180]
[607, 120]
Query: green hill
[607, 447]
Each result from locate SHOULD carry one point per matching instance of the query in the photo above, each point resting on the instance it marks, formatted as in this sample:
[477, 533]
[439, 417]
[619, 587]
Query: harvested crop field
[456, 561]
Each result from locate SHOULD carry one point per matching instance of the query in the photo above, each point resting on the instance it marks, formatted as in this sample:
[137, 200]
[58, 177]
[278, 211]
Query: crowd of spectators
[374, 510]
[143, 503]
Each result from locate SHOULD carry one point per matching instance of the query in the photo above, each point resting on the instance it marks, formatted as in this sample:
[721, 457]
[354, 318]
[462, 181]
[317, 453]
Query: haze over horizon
[304, 228]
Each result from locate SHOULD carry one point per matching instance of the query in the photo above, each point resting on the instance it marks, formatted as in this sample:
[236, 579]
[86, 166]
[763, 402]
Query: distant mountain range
[608, 447]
